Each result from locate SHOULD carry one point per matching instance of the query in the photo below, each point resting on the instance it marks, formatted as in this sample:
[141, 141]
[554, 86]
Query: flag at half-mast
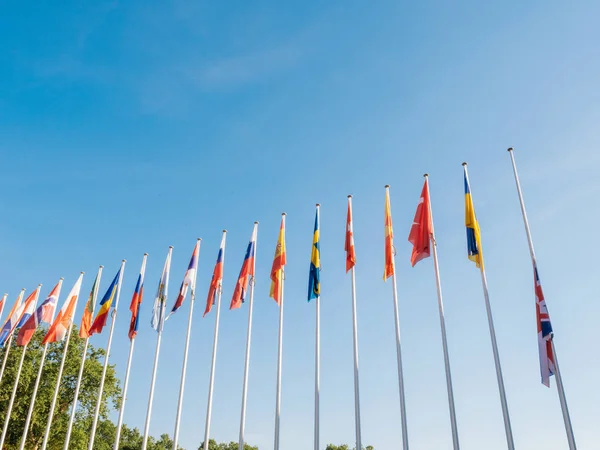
[64, 318]
[43, 314]
[473, 232]
[160, 302]
[217, 278]
[314, 275]
[279, 261]
[2, 303]
[105, 304]
[246, 273]
[189, 279]
[349, 243]
[11, 319]
[88, 312]
[389, 268]
[422, 228]
[136, 301]
[544, 329]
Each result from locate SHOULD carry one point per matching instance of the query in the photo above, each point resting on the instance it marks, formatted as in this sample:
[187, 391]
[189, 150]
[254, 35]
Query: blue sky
[129, 127]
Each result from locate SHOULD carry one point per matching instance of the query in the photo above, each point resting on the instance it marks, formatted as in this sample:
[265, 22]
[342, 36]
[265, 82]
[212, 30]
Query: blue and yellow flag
[473, 233]
[314, 277]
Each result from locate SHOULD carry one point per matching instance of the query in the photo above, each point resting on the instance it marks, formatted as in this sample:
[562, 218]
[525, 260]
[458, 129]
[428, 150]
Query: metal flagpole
[126, 382]
[106, 357]
[36, 386]
[185, 356]
[279, 358]
[455, 443]
[507, 426]
[81, 366]
[8, 344]
[317, 369]
[214, 355]
[155, 367]
[247, 360]
[559, 383]
[16, 384]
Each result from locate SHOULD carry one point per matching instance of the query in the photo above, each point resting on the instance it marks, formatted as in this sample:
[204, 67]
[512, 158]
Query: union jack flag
[544, 329]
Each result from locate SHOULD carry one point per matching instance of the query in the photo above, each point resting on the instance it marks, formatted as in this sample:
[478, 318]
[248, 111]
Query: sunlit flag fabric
[189, 279]
[421, 230]
[105, 304]
[473, 233]
[28, 307]
[544, 329]
[389, 268]
[279, 262]
[43, 314]
[2, 303]
[64, 318]
[349, 244]
[11, 320]
[134, 307]
[88, 313]
[158, 311]
[217, 278]
[246, 273]
[314, 275]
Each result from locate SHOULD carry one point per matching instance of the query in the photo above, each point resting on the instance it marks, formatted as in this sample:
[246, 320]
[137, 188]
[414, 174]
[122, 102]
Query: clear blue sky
[127, 127]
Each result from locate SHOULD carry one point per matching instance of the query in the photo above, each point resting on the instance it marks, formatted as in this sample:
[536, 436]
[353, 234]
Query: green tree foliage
[212, 445]
[346, 447]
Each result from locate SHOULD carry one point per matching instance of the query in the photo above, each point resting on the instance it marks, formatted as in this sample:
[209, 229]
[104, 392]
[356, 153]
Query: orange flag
[64, 319]
[422, 228]
[349, 245]
[389, 268]
[277, 274]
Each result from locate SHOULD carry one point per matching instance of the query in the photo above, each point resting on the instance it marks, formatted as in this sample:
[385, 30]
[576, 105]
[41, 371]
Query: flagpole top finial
[387, 186]
[318, 205]
[284, 214]
[40, 285]
[145, 254]
[81, 273]
[101, 266]
[199, 239]
[426, 175]
[170, 246]
[62, 278]
[124, 260]
[224, 231]
[510, 149]
[464, 164]
[350, 196]
[256, 223]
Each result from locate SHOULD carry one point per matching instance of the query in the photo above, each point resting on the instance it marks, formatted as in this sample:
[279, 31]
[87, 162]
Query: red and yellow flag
[88, 312]
[349, 245]
[279, 261]
[389, 268]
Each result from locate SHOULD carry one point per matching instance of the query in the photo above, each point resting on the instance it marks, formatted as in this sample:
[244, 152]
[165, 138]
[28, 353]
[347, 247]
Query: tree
[346, 447]
[212, 445]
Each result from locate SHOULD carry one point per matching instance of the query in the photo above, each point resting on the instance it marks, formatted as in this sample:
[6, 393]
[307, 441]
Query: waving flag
[11, 320]
[88, 312]
[422, 228]
[105, 305]
[217, 278]
[64, 318]
[389, 268]
[544, 329]
[349, 244]
[43, 314]
[158, 311]
[246, 273]
[189, 279]
[2, 303]
[279, 261]
[28, 307]
[473, 233]
[136, 301]
[314, 276]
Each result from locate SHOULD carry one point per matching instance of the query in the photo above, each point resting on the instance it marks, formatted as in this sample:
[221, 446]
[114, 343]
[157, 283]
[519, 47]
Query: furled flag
[314, 276]
[88, 312]
[189, 279]
[217, 278]
[422, 228]
[279, 260]
[64, 318]
[473, 233]
[136, 301]
[28, 307]
[11, 320]
[349, 244]
[43, 314]
[105, 305]
[160, 302]
[389, 268]
[246, 273]
[2, 303]
[544, 329]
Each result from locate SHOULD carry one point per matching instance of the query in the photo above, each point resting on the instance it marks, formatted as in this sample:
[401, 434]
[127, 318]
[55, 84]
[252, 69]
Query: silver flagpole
[279, 361]
[185, 356]
[37, 384]
[247, 359]
[8, 343]
[317, 431]
[399, 349]
[559, 383]
[106, 357]
[214, 354]
[81, 366]
[155, 367]
[126, 382]
[455, 443]
[16, 384]
[507, 426]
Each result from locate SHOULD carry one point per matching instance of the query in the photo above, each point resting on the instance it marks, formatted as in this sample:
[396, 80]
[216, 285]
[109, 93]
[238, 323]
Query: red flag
[349, 246]
[217, 278]
[422, 228]
[279, 261]
[388, 270]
